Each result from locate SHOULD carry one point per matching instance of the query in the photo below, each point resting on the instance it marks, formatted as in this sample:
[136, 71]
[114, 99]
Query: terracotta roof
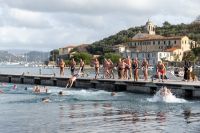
[171, 49]
[148, 37]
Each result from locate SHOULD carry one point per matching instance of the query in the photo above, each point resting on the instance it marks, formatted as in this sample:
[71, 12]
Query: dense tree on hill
[104, 46]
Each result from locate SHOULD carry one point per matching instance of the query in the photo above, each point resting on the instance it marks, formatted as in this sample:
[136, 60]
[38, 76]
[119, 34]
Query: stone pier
[179, 88]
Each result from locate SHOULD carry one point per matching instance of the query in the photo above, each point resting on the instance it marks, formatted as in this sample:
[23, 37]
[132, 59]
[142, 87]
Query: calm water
[87, 111]
[17, 69]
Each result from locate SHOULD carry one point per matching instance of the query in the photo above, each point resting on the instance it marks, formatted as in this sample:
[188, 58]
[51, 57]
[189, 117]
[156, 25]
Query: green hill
[105, 45]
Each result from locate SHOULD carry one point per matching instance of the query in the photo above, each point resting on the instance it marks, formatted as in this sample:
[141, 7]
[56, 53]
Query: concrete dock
[179, 88]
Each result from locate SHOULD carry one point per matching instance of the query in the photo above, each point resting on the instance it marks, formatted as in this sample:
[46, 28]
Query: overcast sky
[48, 24]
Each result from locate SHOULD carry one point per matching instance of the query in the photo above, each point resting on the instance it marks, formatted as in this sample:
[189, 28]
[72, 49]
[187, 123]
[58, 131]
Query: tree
[196, 51]
[113, 56]
[166, 24]
[190, 57]
[83, 55]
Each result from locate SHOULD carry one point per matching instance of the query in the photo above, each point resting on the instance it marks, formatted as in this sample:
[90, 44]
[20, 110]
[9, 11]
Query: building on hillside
[153, 57]
[119, 48]
[194, 44]
[155, 45]
[65, 52]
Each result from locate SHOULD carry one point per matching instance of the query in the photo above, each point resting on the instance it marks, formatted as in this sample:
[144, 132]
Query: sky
[50, 24]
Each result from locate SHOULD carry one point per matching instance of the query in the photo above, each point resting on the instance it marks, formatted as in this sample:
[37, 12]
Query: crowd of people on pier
[126, 68]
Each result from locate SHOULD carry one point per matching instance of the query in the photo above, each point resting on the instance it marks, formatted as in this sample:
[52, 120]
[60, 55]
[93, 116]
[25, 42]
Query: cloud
[49, 24]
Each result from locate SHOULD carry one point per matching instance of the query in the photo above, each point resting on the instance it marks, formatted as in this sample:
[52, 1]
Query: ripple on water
[94, 111]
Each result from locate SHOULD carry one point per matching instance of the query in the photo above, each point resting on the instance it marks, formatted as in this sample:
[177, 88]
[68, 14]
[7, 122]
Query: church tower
[150, 28]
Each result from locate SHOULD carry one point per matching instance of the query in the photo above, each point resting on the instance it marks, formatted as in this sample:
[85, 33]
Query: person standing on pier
[161, 70]
[110, 68]
[128, 70]
[72, 66]
[187, 71]
[82, 64]
[121, 66]
[145, 68]
[105, 68]
[62, 66]
[135, 69]
[96, 66]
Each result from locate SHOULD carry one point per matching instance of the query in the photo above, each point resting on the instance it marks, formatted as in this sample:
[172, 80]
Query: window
[158, 42]
[164, 42]
[169, 42]
[175, 42]
[153, 42]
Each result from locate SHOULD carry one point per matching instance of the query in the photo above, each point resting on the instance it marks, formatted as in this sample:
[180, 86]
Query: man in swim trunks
[96, 66]
[135, 69]
[121, 66]
[110, 68]
[71, 80]
[82, 64]
[105, 68]
[62, 66]
[128, 70]
[161, 70]
[72, 66]
[145, 68]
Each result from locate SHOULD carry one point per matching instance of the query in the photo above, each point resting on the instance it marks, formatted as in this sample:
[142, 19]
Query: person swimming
[1, 92]
[60, 93]
[45, 100]
[26, 88]
[164, 92]
[113, 93]
[38, 89]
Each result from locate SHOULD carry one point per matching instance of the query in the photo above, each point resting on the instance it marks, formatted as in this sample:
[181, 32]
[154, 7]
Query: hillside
[32, 56]
[103, 46]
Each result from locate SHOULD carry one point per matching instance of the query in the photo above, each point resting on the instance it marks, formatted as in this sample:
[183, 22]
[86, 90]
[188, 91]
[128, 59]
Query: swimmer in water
[36, 89]
[45, 100]
[60, 93]
[113, 93]
[1, 92]
[165, 92]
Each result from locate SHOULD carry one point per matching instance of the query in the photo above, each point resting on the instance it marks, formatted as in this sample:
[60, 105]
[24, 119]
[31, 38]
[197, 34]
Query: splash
[168, 97]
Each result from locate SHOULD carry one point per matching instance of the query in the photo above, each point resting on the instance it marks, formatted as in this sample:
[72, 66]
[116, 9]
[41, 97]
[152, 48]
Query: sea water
[84, 111]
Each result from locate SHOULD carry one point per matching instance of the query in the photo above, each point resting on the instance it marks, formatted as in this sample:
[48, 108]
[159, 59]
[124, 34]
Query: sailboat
[26, 64]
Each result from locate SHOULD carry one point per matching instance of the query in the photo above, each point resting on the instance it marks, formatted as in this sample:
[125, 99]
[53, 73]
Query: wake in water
[165, 95]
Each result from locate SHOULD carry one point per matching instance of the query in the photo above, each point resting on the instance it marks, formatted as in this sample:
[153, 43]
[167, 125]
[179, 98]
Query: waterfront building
[151, 46]
[119, 48]
[65, 51]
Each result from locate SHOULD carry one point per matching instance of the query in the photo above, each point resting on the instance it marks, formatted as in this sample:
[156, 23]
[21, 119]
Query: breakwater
[179, 88]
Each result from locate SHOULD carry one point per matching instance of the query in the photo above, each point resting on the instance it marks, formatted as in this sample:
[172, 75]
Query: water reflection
[98, 112]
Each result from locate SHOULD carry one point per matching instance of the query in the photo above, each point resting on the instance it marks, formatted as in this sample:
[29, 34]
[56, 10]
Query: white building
[156, 47]
[152, 57]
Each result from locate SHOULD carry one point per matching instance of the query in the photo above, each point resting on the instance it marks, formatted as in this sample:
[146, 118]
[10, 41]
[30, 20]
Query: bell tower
[150, 28]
